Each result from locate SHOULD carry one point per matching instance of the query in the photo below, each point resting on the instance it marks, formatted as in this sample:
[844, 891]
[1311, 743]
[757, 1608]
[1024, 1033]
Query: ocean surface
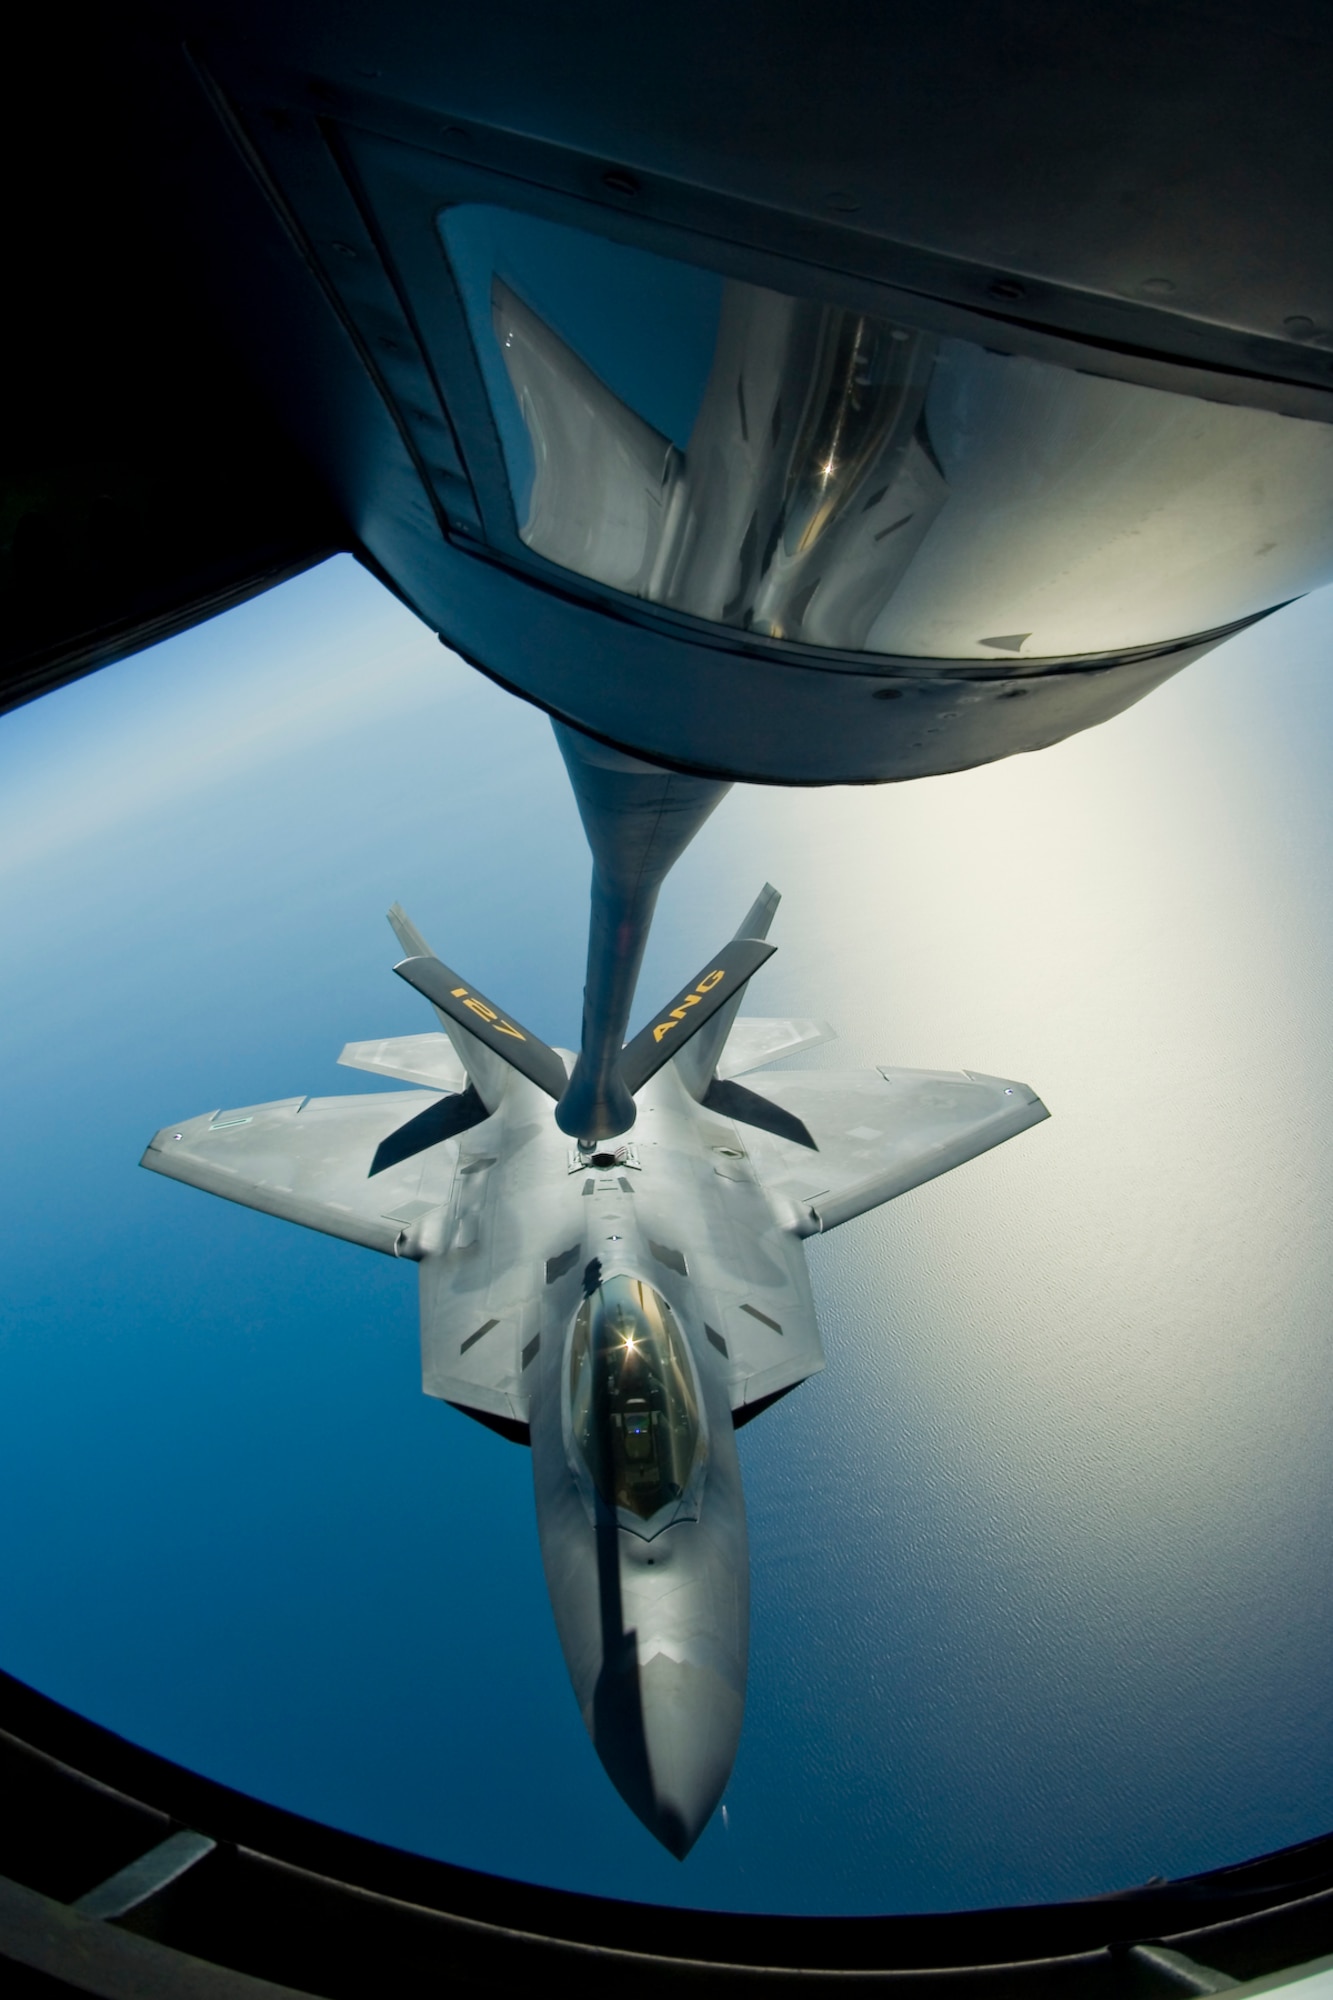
[1040, 1562]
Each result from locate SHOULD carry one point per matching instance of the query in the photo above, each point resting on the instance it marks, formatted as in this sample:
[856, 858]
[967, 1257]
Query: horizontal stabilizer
[428, 1059]
[755, 1041]
[719, 982]
[471, 1010]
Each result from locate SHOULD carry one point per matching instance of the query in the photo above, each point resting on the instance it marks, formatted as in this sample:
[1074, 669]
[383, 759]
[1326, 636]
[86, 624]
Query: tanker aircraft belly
[621, 1306]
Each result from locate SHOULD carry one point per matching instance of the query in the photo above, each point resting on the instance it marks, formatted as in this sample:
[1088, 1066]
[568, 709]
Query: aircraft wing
[480, 1332]
[427, 1059]
[363, 1168]
[872, 1134]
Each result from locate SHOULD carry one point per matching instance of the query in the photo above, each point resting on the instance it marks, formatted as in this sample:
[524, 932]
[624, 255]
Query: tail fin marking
[697, 1060]
[692, 1009]
[460, 1003]
[487, 1061]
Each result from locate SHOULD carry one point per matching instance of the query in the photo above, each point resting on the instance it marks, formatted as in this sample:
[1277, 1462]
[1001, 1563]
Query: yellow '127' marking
[706, 985]
[488, 1014]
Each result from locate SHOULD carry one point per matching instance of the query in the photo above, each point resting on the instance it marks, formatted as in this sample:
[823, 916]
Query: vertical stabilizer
[487, 1072]
[697, 1062]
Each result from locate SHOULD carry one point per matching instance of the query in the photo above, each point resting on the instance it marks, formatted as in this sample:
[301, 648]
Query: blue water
[1040, 1562]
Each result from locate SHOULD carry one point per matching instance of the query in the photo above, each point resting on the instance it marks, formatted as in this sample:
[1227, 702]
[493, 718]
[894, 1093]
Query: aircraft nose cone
[667, 1734]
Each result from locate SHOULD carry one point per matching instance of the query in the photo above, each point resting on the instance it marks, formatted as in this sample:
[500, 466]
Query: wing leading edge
[362, 1168]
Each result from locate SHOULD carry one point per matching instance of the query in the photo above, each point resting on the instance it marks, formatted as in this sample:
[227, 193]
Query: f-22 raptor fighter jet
[621, 1306]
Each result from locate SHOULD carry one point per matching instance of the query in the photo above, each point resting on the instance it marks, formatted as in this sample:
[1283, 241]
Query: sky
[1039, 1562]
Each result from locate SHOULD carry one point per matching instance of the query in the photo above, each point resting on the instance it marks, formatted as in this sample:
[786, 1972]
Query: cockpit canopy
[634, 1409]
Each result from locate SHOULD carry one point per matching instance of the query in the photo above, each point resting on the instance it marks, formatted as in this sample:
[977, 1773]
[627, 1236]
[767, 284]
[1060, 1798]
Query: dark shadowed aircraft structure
[785, 393]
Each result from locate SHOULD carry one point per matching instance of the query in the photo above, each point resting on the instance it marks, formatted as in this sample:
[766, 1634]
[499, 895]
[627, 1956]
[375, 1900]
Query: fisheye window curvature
[634, 1410]
[809, 472]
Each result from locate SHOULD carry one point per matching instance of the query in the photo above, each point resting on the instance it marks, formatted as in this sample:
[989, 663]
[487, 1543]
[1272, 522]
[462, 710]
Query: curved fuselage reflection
[859, 484]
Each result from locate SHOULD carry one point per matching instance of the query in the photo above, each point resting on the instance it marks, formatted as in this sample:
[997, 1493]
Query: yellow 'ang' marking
[706, 985]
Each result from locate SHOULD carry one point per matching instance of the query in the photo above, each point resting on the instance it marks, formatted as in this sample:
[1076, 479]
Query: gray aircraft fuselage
[646, 1563]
